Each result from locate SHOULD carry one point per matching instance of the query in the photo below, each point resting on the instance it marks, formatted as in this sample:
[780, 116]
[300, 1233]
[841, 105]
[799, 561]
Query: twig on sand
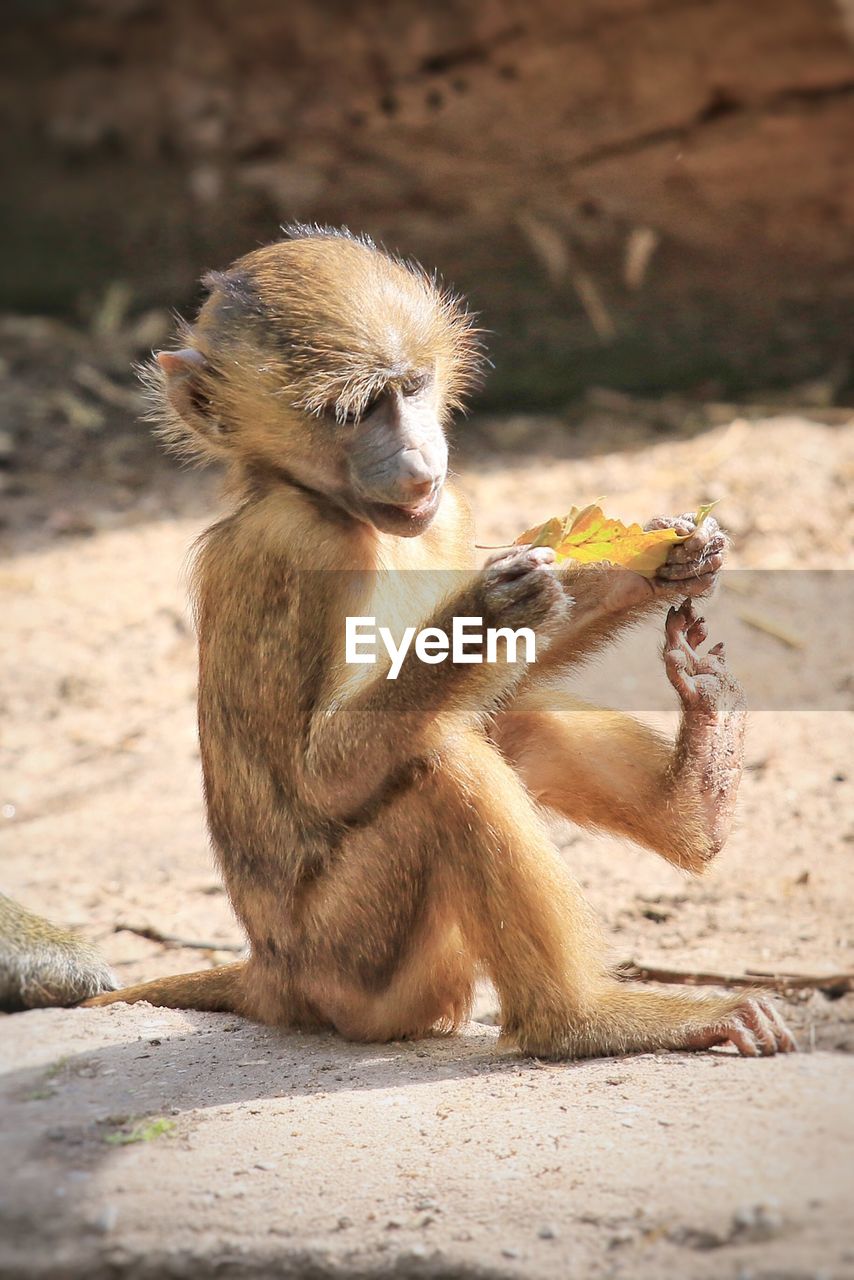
[771, 627]
[173, 940]
[830, 984]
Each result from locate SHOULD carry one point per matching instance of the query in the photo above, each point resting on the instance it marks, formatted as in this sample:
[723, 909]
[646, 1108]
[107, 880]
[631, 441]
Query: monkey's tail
[219, 990]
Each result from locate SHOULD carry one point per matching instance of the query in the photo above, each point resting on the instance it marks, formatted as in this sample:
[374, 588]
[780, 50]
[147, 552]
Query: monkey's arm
[362, 740]
[603, 769]
[606, 599]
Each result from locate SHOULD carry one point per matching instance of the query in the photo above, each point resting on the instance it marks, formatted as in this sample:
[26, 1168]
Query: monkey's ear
[186, 384]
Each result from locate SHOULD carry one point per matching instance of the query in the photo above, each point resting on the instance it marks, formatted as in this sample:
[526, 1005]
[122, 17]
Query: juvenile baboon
[381, 840]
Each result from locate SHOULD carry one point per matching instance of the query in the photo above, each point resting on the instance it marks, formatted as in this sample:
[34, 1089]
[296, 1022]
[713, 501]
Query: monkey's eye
[355, 416]
[413, 385]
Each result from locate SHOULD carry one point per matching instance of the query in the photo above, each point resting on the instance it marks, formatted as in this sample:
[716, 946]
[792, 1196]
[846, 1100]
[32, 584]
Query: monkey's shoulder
[276, 533]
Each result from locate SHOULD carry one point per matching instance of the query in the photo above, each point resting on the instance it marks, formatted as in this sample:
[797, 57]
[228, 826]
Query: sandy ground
[293, 1155]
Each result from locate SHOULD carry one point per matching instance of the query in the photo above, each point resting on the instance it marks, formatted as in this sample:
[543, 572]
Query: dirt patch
[295, 1155]
[312, 1157]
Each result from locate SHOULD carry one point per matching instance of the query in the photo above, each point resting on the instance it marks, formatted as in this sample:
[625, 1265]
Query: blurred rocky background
[634, 193]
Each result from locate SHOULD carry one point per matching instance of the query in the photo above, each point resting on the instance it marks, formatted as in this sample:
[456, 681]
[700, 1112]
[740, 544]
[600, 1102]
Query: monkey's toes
[755, 1028]
[679, 619]
[684, 633]
[684, 630]
[696, 633]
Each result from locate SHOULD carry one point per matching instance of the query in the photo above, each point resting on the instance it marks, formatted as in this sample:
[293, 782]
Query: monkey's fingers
[696, 554]
[688, 570]
[519, 560]
[705, 540]
[682, 524]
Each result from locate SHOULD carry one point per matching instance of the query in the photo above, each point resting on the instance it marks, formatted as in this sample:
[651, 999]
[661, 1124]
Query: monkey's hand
[691, 568]
[603, 590]
[605, 598]
[518, 590]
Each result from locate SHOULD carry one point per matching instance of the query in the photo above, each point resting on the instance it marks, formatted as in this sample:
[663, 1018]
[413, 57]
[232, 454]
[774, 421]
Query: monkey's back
[270, 615]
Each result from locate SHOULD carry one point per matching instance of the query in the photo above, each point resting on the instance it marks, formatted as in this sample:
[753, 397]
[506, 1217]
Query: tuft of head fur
[320, 321]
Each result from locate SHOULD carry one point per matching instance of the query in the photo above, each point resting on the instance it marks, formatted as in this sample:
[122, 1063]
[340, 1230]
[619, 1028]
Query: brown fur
[381, 840]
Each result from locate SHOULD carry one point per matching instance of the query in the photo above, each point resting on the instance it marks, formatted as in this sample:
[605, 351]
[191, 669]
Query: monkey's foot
[755, 1027]
[59, 971]
[710, 749]
[628, 1019]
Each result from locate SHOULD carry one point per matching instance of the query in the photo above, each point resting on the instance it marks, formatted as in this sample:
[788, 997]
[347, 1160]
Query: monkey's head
[327, 364]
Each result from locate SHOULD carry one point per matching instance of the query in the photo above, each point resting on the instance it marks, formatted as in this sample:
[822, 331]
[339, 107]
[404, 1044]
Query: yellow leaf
[588, 536]
[701, 512]
[548, 534]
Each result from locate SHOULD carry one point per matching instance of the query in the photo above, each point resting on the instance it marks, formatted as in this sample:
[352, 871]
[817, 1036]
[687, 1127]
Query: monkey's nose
[416, 479]
[416, 489]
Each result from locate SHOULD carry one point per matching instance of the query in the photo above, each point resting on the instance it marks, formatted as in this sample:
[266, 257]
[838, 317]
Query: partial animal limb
[603, 769]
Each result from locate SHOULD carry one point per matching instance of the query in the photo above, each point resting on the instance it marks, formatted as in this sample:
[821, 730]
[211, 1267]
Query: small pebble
[106, 1220]
[758, 1222]
[621, 1238]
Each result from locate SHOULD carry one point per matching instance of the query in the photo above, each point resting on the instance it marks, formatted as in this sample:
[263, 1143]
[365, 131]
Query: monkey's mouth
[405, 520]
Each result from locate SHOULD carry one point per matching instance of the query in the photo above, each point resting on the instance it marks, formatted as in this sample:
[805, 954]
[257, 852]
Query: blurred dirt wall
[645, 193]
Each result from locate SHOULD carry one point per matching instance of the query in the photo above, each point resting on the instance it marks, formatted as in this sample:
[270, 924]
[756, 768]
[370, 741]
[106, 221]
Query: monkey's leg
[385, 959]
[526, 920]
[372, 946]
[429, 991]
[603, 769]
[452, 874]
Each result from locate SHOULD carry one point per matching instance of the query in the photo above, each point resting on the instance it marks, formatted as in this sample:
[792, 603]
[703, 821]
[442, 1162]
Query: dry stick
[831, 984]
[173, 940]
[771, 628]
